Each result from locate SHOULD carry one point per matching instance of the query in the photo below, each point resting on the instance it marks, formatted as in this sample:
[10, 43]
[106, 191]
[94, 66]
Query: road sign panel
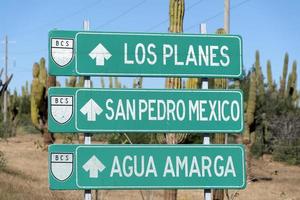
[140, 110]
[144, 54]
[148, 166]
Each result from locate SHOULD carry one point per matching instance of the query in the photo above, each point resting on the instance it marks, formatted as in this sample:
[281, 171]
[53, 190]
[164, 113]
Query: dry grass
[25, 177]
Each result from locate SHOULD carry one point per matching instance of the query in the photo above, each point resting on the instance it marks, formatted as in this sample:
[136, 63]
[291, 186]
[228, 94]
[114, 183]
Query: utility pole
[227, 30]
[5, 42]
[5, 74]
[227, 16]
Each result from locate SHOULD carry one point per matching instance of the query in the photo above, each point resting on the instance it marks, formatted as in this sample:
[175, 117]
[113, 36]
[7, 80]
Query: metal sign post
[87, 136]
[206, 139]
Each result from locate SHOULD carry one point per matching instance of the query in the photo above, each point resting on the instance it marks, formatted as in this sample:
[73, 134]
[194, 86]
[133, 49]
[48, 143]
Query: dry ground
[25, 177]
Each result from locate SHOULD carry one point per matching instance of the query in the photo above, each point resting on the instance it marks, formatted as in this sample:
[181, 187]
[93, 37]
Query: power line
[79, 11]
[166, 20]
[122, 14]
[217, 14]
[29, 52]
[66, 17]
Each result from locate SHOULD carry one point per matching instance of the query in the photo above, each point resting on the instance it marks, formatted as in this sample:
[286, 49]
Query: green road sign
[146, 166]
[140, 110]
[144, 54]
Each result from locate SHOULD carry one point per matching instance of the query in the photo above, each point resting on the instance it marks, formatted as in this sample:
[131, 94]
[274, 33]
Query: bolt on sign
[146, 166]
[145, 110]
[79, 53]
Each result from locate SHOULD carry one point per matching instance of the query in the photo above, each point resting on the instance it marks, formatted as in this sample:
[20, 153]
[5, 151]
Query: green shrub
[3, 161]
[135, 138]
[287, 152]
[6, 130]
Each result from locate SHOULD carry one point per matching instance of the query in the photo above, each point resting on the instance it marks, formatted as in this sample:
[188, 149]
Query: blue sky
[270, 26]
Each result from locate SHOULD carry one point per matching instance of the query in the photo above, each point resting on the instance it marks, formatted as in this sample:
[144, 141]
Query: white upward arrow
[91, 109]
[100, 53]
[93, 165]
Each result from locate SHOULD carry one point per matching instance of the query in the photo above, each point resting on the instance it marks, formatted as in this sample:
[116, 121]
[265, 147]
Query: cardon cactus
[13, 105]
[137, 82]
[80, 82]
[248, 136]
[43, 72]
[292, 90]
[250, 109]
[102, 82]
[111, 84]
[37, 96]
[13, 108]
[117, 83]
[270, 78]
[172, 138]
[259, 77]
[220, 83]
[284, 75]
[140, 82]
[38, 99]
[176, 14]
[193, 83]
[219, 138]
[71, 82]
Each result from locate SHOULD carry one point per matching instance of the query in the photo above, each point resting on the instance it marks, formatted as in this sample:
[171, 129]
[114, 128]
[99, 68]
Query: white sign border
[164, 75]
[164, 146]
[158, 130]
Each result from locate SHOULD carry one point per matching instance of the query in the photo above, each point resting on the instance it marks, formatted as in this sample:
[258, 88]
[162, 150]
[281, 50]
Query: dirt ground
[25, 177]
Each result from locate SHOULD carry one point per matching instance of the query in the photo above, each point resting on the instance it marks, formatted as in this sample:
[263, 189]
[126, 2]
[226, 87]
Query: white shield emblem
[62, 51]
[61, 108]
[61, 165]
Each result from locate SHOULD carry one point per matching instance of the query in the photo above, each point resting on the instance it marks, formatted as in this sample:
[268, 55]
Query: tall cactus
[193, 83]
[176, 14]
[292, 89]
[284, 74]
[25, 99]
[249, 138]
[102, 82]
[43, 72]
[117, 83]
[134, 84]
[37, 92]
[13, 108]
[289, 86]
[259, 77]
[111, 83]
[172, 138]
[80, 82]
[219, 138]
[270, 78]
[38, 99]
[71, 82]
[140, 82]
